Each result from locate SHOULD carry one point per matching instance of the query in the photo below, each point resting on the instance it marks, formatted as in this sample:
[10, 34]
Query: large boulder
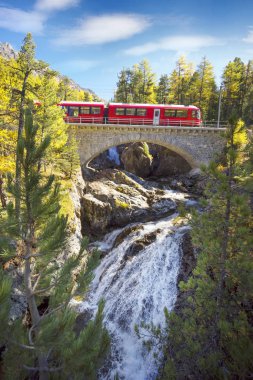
[166, 162]
[137, 159]
[114, 200]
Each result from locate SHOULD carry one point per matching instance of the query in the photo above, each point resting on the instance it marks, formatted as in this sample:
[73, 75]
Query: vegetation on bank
[37, 154]
[210, 335]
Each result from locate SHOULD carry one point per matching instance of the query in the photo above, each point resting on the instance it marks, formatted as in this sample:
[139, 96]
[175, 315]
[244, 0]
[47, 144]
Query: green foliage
[146, 151]
[211, 336]
[70, 161]
[50, 342]
[5, 290]
[163, 90]
[136, 85]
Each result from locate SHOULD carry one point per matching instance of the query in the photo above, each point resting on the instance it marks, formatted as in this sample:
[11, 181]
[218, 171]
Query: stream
[136, 286]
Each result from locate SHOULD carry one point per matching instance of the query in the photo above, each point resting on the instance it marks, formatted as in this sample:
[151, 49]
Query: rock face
[166, 162]
[7, 51]
[137, 160]
[113, 200]
[133, 158]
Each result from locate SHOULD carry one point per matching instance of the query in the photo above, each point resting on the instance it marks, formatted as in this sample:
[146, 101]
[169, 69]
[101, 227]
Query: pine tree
[180, 82]
[26, 66]
[233, 85]
[211, 337]
[124, 89]
[46, 345]
[163, 89]
[49, 118]
[70, 161]
[137, 84]
[203, 89]
[247, 100]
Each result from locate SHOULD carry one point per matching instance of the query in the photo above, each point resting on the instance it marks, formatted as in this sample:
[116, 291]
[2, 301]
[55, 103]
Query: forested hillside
[188, 85]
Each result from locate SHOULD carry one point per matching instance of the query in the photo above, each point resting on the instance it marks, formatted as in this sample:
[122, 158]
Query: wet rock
[189, 258]
[115, 200]
[188, 263]
[82, 320]
[127, 231]
[140, 244]
[166, 162]
[137, 160]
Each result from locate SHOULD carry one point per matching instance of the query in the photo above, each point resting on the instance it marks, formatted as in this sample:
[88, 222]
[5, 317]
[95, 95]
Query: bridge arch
[196, 145]
[182, 153]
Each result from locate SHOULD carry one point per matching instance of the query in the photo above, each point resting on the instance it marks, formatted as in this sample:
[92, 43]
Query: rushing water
[136, 288]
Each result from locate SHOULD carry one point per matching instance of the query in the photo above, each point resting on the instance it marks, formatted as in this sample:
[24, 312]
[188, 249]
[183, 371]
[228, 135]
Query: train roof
[80, 103]
[152, 105]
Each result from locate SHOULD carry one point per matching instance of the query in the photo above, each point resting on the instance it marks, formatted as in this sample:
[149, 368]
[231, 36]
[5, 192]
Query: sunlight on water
[136, 288]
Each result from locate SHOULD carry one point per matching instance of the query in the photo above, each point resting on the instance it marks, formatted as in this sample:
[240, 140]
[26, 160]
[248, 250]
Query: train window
[181, 113]
[73, 111]
[141, 112]
[120, 111]
[169, 113]
[85, 110]
[130, 111]
[196, 114]
[95, 110]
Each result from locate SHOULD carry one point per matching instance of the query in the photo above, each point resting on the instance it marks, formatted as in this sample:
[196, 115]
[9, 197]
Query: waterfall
[136, 287]
[113, 154]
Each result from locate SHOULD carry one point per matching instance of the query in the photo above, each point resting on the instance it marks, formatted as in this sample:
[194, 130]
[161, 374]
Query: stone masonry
[195, 144]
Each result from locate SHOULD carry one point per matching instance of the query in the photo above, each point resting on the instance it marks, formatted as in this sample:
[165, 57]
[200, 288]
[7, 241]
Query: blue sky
[92, 40]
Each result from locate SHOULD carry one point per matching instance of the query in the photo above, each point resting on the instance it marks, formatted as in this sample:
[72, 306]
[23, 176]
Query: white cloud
[175, 43]
[17, 20]
[103, 29]
[249, 38]
[54, 5]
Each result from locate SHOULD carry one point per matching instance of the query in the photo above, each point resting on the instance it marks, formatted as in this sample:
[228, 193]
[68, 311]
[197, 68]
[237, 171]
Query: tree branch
[47, 369]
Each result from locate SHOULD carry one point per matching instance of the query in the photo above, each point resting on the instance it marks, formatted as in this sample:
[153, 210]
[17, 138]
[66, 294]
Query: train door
[156, 118]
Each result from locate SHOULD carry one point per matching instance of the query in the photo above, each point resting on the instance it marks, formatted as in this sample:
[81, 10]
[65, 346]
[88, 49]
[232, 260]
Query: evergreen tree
[233, 85]
[124, 90]
[147, 83]
[163, 89]
[247, 100]
[70, 161]
[211, 337]
[26, 65]
[180, 82]
[203, 88]
[49, 118]
[46, 345]
[136, 85]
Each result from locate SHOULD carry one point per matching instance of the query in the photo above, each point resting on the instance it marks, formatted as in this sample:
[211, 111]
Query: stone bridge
[197, 145]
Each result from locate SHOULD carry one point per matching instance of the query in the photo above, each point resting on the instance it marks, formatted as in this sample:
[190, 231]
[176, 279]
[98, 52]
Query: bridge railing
[148, 122]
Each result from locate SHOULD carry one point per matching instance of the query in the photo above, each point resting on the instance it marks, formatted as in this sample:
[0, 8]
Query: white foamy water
[114, 155]
[136, 288]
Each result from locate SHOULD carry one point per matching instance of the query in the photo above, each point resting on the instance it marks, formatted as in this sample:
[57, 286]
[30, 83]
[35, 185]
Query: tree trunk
[2, 194]
[35, 317]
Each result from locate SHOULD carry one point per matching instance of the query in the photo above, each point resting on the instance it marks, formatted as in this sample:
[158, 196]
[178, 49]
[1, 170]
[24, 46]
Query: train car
[180, 115]
[83, 112]
[154, 114]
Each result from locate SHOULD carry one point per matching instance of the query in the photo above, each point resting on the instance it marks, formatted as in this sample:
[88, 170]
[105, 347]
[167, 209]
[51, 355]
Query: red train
[133, 114]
